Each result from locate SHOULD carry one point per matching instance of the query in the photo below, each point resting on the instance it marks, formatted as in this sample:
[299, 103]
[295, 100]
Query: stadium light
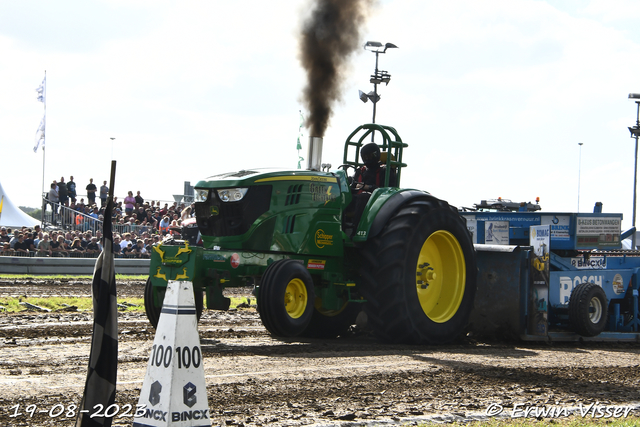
[378, 77]
[635, 133]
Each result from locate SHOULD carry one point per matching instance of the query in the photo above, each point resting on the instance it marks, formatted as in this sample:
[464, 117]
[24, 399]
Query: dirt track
[254, 379]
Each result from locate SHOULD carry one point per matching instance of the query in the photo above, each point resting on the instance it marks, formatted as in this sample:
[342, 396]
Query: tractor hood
[262, 176]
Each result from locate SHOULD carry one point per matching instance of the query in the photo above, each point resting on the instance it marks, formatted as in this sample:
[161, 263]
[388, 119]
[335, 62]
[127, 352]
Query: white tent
[11, 215]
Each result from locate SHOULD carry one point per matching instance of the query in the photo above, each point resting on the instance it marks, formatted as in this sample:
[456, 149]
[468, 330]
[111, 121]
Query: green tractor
[406, 260]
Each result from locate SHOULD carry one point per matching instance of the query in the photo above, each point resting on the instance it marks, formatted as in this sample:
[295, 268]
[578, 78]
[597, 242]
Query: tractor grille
[217, 218]
[293, 194]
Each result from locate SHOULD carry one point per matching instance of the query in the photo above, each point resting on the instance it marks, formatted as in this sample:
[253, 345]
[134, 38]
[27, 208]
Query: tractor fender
[383, 204]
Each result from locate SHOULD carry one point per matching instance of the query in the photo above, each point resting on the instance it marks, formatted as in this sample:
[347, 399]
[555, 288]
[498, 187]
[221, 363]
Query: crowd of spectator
[137, 225]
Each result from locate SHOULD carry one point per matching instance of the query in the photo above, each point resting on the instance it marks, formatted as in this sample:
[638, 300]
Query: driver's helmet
[370, 154]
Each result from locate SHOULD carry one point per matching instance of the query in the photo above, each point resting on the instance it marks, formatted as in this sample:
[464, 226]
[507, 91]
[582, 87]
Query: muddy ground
[255, 379]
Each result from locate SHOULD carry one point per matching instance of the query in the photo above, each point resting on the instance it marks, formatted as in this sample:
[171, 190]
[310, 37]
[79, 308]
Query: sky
[493, 97]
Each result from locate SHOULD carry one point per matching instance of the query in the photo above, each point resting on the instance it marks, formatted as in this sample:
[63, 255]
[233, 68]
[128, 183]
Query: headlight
[232, 194]
[201, 195]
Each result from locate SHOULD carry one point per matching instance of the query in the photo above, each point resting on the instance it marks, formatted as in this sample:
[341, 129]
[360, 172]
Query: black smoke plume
[329, 37]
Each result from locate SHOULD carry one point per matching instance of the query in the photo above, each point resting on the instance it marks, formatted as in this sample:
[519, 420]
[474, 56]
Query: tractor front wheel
[420, 275]
[285, 298]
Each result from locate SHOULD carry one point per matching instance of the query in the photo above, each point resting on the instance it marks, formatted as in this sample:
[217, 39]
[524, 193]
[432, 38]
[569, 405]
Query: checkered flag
[100, 388]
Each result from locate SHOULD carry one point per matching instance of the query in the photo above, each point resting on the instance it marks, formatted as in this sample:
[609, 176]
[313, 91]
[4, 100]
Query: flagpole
[112, 180]
[44, 138]
[102, 372]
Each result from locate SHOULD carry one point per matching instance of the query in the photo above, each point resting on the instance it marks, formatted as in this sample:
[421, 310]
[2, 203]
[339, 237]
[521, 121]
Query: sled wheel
[419, 274]
[588, 309]
[153, 311]
[331, 323]
[285, 298]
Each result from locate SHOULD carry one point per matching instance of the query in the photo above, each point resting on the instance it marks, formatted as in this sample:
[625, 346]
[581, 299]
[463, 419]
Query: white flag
[39, 136]
[41, 89]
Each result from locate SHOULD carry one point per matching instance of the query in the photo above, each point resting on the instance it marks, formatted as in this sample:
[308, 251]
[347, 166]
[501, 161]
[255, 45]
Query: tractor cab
[386, 174]
[391, 148]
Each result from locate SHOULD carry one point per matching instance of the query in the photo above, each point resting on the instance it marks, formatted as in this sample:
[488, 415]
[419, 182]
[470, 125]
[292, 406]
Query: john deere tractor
[406, 260]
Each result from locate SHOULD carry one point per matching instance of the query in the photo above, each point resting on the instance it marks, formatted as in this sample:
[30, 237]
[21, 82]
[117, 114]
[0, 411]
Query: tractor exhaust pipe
[314, 154]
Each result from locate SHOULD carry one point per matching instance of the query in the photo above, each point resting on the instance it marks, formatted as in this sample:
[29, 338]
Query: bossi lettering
[323, 239]
[186, 356]
[568, 283]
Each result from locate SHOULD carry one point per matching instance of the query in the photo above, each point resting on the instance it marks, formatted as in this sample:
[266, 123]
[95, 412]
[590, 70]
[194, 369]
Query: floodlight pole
[635, 133]
[375, 92]
[579, 169]
[635, 165]
[377, 77]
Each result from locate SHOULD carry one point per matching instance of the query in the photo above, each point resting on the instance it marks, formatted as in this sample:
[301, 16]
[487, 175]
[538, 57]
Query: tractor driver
[371, 176]
[367, 178]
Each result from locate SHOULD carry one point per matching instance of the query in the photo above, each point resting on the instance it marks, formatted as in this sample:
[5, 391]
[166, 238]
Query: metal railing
[68, 266]
[58, 215]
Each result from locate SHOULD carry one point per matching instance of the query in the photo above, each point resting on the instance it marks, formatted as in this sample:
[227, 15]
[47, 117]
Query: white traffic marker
[174, 392]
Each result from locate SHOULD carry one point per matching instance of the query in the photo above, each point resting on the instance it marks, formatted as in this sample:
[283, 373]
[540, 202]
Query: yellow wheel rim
[440, 276]
[295, 298]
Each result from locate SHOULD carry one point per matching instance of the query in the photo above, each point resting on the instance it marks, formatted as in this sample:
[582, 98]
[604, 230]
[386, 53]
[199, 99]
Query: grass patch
[12, 305]
[70, 276]
[53, 303]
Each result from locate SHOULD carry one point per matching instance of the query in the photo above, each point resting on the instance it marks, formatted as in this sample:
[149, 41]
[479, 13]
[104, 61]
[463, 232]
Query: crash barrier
[68, 266]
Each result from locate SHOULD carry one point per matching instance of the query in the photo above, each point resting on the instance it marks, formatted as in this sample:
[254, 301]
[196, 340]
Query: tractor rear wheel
[420, 275]
[588, 309]
[331, 323]
[153, 311]
[285, 298]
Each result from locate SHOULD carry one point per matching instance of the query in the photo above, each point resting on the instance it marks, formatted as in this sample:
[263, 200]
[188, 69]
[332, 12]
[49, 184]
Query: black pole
[375, 91]
[635, 175]
[375, 97]
[112, 179]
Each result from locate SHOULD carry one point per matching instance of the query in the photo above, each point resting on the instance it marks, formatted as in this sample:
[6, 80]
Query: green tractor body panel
[382, 199]
[294, 212]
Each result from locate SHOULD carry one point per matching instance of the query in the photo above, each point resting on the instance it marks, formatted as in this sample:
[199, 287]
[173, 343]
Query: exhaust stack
[314, 154]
